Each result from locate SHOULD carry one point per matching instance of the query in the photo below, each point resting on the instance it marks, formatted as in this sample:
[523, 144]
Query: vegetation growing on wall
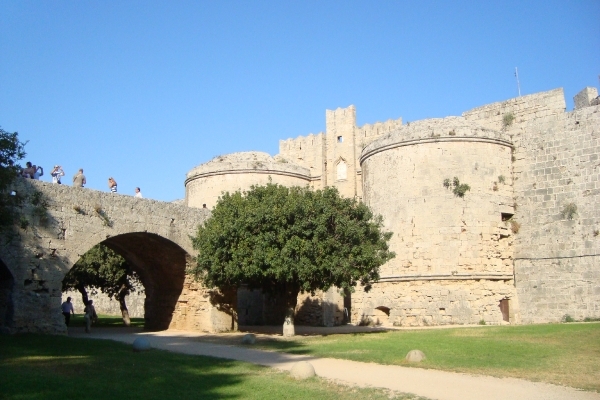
[78, 210]
[459, 189]
[569, 211]
[507, 120]
[102, 215]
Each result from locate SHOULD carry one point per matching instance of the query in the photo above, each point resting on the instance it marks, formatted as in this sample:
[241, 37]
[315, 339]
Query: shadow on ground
[62, 367]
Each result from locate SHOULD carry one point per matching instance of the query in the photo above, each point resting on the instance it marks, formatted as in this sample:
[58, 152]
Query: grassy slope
[567, 354]
[56, 367]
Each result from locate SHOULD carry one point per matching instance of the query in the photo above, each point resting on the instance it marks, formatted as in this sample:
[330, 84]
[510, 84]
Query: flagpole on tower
[518, 84]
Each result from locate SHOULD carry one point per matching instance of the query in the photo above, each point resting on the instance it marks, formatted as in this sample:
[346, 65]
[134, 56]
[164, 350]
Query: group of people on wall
[32, 171]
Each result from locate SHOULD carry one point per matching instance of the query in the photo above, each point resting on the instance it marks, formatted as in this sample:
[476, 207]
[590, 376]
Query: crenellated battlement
[378, 128]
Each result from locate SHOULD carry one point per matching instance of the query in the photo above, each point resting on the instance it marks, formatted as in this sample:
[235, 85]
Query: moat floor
[429, 383]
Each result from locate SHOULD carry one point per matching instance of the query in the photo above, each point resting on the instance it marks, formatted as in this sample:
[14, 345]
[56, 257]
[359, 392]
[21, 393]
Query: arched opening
[381, 315]
[160, 265]
[6, 301]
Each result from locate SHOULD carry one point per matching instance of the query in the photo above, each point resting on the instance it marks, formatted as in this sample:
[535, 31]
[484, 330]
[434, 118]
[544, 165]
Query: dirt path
[423, 382]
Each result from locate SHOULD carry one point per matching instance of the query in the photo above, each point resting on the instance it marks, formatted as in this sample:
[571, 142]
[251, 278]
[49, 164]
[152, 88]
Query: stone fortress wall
[59, 223]
[456, 244]
[557, 166]
[205, 183]
[500, 254]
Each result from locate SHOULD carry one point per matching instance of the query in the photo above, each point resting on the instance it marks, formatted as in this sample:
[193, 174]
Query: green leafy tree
[11, 151]
[103, 269]
[288, 240]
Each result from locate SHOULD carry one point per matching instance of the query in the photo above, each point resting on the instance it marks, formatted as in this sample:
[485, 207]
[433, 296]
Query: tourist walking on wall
[112, 185]
[138, 193]
[79, 179]
[39, 171]
[67, 310]
[90, 316]
[56, 173]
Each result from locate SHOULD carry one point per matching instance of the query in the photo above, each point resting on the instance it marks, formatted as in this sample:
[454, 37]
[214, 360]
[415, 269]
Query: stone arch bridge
[59, 223]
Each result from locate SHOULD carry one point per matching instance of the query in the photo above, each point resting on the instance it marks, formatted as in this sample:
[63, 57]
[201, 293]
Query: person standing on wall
[112, 185]
[138, 193]
[67, 310]
[79, 179]
[56, 173]
[39, 171]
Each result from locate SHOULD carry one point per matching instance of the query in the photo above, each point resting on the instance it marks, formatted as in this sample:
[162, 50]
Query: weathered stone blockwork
[556, 258]
[421, 302]
[153, 236]
[483, 256]
[239, 171]
[105, 305]
[507, 251]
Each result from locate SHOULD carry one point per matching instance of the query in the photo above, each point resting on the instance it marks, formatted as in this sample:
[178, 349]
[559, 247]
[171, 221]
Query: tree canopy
[285, 240]
[11, 151]
[102, 269]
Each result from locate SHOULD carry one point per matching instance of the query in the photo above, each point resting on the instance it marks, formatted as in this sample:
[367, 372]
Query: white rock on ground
[415, 356]
[302, 370]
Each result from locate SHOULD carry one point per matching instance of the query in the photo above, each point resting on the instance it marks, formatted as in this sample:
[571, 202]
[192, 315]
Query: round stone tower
[453, 245]
[238, 171]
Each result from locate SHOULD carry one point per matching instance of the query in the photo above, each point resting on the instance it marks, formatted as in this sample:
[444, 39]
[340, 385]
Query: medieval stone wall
[239, 171]
[105, 305]
[523, 109]
[65, 222]
[439, 238]
[557, 167]
[322, 309]
[498, 254]
[424, 302]
[306, 151]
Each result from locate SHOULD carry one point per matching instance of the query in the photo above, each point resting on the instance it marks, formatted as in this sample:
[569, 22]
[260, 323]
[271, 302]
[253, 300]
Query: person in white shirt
[56, 173]
[67, 310]
[138, 193]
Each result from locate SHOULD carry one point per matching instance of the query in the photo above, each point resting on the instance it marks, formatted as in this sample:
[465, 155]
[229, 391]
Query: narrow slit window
[340, 139]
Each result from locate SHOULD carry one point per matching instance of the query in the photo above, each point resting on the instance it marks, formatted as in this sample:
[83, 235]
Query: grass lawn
[112, 321]
[58, 367]
[565, 354]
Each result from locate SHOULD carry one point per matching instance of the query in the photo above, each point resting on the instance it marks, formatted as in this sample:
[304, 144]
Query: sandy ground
[423, 382]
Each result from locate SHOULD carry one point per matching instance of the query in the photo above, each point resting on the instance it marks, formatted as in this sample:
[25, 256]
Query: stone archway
[153, 236]
[161, 265]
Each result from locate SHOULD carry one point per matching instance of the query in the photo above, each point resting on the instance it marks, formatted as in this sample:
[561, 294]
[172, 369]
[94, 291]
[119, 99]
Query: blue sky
[145, 91]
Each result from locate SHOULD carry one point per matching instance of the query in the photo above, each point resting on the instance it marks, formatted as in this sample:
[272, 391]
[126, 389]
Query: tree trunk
[288, 323]
[123, 305]
[84, 295]
[291, 300]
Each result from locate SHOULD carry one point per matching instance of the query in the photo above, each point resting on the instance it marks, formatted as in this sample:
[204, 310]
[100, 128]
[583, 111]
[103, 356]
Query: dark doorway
[347, 309]
[6, 300]
[504, 310]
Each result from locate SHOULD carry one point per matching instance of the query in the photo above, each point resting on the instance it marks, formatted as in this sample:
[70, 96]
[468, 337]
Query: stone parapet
[450, 129]
[239, 171]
